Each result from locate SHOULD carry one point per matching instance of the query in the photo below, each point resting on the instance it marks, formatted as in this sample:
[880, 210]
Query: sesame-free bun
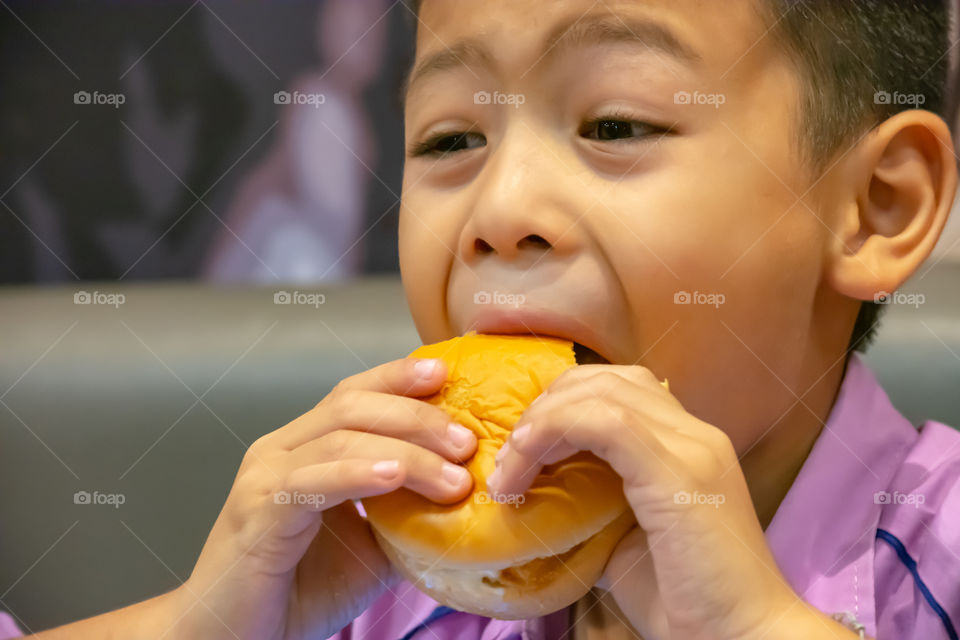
[524, 557]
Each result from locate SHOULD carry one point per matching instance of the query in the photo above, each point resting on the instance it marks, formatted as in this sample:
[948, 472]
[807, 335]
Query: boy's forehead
[467, 32]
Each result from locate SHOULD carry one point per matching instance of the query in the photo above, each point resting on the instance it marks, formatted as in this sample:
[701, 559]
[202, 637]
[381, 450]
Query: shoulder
[933, 461]
[918, 536]
[924, 494]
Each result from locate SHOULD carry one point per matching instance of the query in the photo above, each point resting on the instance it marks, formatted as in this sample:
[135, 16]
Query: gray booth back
[154, 401]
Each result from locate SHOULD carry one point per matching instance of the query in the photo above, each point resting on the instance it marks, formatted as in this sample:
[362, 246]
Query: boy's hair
[860, 62]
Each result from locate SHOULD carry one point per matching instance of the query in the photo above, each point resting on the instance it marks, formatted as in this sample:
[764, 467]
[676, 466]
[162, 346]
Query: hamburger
[523, 556]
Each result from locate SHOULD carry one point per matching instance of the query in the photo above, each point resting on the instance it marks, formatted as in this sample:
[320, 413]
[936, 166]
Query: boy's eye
[445, 143]
[611, 128]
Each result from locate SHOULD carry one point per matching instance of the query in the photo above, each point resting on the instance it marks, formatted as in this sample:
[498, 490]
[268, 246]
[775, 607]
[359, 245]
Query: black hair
[860, 62]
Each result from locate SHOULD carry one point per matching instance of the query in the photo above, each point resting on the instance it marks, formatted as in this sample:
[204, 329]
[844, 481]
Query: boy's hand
[289, 557]
[698, 566]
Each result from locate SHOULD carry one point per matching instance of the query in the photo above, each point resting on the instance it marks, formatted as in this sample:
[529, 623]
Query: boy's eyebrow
[592, 30]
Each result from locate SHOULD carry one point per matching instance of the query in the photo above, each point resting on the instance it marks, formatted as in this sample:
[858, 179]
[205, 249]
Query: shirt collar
[823, 533]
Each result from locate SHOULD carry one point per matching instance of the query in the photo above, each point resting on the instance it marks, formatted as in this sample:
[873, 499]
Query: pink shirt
[871, 526]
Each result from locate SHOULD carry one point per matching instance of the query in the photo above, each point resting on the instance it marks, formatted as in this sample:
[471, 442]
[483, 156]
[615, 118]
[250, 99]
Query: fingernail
[520, 434]
[502, 453]
[492, 481]
[459, 435]
[454, 474]
[386, 469]
[426, 368]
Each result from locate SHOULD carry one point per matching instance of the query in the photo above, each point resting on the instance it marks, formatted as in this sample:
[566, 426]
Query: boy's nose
[532, 241]
[516, 238]
[519, 207]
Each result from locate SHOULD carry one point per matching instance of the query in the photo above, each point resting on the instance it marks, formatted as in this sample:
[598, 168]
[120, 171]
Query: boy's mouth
[583, 353]
[588, 347]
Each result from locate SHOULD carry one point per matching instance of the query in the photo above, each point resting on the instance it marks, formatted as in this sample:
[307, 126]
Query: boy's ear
[905, 178]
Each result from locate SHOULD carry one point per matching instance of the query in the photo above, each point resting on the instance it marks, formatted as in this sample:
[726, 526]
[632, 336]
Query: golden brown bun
[496, 559]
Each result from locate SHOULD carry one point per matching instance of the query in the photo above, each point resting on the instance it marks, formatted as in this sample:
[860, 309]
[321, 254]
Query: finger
[324, 485]
[403, 418]
[607, 383]
[419, 469]
[559, 451]
[320, 487]
[636, 374]
[515, 471]
[522, 472]
[406, 376]
[589, 424]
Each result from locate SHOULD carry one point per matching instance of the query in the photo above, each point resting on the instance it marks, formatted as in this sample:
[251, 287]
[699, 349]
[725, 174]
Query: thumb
[630, 566]
[347, 537]
[632, 581]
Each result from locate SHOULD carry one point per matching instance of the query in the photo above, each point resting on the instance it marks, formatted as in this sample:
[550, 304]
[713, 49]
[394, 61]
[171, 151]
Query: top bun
[491, 380]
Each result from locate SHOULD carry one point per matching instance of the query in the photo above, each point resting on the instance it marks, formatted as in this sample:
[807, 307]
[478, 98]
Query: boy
[708, 192]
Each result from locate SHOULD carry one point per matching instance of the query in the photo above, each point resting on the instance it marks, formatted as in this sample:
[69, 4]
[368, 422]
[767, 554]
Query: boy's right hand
[272, 569]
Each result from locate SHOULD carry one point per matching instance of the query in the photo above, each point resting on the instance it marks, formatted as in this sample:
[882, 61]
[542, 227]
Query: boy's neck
[772, 465]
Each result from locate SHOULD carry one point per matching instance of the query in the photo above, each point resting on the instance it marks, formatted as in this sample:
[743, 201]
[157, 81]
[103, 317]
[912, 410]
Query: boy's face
[681, 232]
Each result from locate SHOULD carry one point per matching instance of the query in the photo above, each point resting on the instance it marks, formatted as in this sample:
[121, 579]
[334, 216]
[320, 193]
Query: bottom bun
[533, 589]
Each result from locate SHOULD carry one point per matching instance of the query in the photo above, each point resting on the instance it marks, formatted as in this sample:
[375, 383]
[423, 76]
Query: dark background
[82, 198]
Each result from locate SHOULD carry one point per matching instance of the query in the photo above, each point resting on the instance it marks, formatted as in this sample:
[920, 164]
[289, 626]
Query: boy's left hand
[698, 565]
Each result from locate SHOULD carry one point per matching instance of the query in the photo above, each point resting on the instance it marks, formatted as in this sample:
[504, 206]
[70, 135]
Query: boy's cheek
[424, 266]
[733, 354]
